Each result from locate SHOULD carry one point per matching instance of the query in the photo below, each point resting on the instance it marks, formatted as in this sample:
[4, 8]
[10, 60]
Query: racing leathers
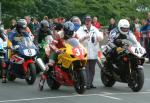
[114, 41]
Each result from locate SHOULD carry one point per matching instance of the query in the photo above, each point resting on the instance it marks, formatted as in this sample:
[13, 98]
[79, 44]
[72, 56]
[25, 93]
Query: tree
[103, 9]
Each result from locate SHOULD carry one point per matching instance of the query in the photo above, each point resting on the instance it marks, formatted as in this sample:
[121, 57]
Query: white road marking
[147, 78]
[109, 93]
[43, 98]
[148, 90]
[104, 94]
[146, 64]
[110, 97]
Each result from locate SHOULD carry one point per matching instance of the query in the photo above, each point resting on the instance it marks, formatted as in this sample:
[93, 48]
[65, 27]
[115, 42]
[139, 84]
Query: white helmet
[123, 26]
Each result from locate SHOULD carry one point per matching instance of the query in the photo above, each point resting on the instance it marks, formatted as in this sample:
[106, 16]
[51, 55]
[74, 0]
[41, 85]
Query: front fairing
[73, 52]
[26, 47]
[75, 49]
[133, 48]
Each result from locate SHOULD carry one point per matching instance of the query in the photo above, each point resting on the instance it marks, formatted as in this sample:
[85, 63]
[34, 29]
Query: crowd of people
[89, 34]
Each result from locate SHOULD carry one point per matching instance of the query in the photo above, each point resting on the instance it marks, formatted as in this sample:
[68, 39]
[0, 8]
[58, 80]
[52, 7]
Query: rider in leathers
[114, 40]
[5, 65]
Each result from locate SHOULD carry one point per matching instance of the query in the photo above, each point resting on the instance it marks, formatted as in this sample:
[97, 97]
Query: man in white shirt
[90, 36]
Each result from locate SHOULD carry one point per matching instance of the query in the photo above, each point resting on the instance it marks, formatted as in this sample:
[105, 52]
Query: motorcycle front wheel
[107, 80]
[79, 82]
[138, 80]
[52, 83]
[11, 76]
[32, 74]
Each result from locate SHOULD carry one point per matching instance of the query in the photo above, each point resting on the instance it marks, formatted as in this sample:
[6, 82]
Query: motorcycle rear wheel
[80, 82]
[32, 73]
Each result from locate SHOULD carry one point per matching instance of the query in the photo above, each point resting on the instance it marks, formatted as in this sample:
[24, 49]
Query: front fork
[43, 77]
[4, 70]
[131, 81]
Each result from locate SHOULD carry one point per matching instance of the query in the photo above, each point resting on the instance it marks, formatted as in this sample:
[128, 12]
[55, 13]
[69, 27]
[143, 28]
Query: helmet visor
[124, 29]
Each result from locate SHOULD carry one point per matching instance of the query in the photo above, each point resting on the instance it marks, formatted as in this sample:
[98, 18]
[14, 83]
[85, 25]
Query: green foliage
[103, 9]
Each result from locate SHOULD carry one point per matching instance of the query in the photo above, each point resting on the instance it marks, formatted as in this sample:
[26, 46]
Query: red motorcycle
[68, 68]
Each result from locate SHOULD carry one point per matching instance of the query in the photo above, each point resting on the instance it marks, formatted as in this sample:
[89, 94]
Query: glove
[16, 47]
[119, 50]
[17, 38]
[58, 51]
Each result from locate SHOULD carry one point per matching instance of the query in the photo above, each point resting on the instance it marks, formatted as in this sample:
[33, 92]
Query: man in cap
[90, 36]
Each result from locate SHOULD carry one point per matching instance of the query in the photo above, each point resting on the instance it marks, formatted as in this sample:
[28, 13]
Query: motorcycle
[3, 52]
[127, 66]
[68, 68]
[22, 61]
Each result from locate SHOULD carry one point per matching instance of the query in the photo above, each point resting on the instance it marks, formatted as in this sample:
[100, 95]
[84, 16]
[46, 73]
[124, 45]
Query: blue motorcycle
[22, 62]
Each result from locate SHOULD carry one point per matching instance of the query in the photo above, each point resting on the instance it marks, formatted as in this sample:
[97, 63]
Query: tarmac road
[20, 92]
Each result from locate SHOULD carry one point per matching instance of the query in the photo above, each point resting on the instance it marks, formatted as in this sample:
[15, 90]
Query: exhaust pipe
[41, 64]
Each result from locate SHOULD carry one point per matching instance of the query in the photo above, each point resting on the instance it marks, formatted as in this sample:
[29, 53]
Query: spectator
[36, 28]
[13, 24]
[96, 23]
[112, 24]
[145, 30]
[28, 20]
[51, 23]
[131, 27]
[31, 26]
[76, 21]
[90, 37]
[136, 29]
[46, 18]
[36, 24]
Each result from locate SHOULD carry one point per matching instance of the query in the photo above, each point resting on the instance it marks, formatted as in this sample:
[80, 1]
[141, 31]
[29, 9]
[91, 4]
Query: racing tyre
[138, 80]
[32, 74]
[54, 85]
[79, 82]
[11, 76]
[107, 80]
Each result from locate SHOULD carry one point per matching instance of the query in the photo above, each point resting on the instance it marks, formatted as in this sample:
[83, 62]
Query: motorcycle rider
[43, 31]
[68, 32]
[122, 31]
[20, 31]
[4, 38]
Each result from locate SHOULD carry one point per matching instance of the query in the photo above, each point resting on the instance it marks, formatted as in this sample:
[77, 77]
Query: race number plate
[138, 51]
[29, 52]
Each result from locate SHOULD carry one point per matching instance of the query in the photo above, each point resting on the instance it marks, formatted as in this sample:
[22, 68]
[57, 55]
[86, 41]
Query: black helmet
[21, 25]
[44, 25]
[68, 29]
